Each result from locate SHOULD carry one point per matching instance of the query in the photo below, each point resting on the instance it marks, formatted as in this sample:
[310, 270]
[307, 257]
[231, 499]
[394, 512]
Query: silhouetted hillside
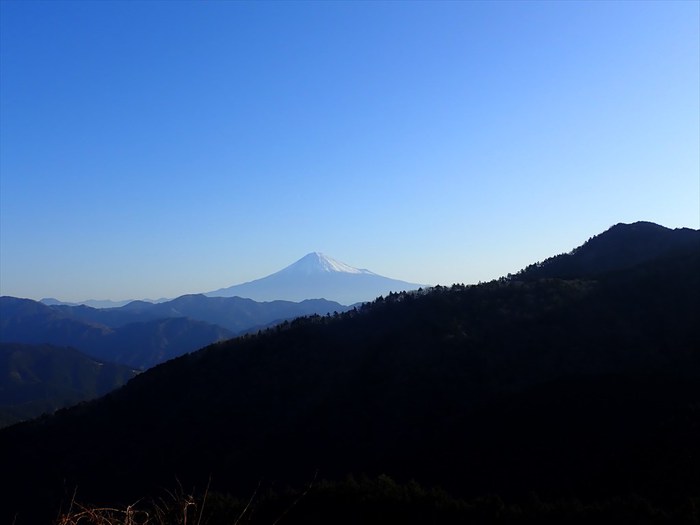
[622, 246]
[37, 379]
[560, 388]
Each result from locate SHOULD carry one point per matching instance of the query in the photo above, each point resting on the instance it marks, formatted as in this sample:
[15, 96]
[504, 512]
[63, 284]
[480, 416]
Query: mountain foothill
[565, 392]
[43, 378]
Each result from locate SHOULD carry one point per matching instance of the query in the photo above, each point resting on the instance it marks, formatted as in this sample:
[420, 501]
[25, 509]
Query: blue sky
[152, 149]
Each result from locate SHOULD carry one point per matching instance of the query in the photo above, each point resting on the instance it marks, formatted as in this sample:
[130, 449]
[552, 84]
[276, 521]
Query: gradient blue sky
[152, 149]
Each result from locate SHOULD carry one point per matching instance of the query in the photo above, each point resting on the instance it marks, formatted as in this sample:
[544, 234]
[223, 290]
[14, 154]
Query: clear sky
[152, 149]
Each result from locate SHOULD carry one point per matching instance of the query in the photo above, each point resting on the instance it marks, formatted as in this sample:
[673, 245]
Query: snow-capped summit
[317, 276]
[315, 262]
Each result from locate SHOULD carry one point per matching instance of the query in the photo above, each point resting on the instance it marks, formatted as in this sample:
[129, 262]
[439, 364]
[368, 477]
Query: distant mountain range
[318, 276]
[94, 303]
[141, 334]
[314, 276]
[141, 343]
[576, 389]
[235, 314]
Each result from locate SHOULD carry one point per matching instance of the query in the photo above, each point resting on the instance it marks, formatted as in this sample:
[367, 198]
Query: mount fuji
[316, 276]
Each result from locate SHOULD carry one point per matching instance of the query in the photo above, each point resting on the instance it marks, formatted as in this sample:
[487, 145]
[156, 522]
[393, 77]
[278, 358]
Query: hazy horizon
[151, 150]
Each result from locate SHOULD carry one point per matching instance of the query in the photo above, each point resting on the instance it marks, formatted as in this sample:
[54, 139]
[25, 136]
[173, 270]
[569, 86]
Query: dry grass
[174, 508]
[106, 516]
[178, 508]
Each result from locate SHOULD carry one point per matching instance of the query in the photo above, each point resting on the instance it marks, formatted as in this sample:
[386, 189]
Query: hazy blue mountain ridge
[143, 334]
[138, 345]
[93, 303]
[233, 313]
[27, 321]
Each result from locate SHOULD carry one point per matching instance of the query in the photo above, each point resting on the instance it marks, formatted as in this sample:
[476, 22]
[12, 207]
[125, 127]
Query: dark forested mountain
[583, 388]
[37, 379]
[622, 246]
[317, 276]
[143, 345]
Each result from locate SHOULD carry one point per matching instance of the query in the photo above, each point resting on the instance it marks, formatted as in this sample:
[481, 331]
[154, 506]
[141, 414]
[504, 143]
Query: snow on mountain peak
[314, 276]
[316, 262]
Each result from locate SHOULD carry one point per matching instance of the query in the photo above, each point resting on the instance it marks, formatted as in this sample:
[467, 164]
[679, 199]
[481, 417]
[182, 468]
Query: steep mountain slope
[317, 276]
[37, 379]
[143, 345]
[585, 388]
